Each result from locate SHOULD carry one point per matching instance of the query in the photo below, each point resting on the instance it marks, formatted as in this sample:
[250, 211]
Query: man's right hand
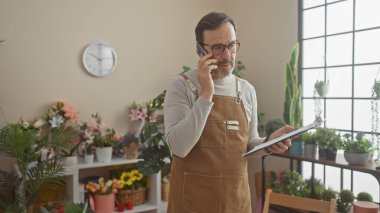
[205, 65]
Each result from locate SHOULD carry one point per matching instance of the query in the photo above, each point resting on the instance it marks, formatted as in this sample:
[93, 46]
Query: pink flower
[134, 115]
[153, 117]
[117, 136]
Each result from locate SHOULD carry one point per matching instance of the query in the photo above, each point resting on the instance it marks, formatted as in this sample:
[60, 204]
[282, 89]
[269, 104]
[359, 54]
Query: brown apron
[213, 177]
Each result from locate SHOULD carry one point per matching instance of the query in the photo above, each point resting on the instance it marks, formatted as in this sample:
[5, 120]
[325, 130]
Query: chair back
[295, 202]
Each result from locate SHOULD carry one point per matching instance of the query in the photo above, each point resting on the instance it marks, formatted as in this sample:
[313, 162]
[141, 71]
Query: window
[340, 43]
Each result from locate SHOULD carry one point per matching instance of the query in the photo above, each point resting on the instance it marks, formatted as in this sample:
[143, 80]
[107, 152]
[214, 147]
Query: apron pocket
[235, 196]
[201, 193]
[214, 134]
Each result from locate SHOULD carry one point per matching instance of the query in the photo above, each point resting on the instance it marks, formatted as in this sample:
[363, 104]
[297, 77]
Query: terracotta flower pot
[103, 203]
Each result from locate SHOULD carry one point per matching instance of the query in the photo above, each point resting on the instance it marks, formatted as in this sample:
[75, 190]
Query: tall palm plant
[33, 175]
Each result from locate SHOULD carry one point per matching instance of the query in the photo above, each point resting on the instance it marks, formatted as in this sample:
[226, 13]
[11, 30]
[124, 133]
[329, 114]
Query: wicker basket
[136, 196]
[165, 191]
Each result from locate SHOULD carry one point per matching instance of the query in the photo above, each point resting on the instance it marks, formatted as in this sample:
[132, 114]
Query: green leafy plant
[329, 194]
[288, 182]
[273, 125]
[309, 138]
[293, 105]
[357, 145]
[345, 199]
[37, 179]
[364, 196]
[239, 69]
[319, 188]
[328, 139]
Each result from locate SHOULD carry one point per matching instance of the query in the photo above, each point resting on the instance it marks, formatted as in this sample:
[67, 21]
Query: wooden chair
[298, 203]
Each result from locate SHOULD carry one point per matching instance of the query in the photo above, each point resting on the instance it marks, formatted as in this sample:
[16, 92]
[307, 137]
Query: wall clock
[99, 59]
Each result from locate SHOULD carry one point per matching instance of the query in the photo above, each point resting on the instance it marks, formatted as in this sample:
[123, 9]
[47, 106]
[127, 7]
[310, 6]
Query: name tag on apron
[231, 127]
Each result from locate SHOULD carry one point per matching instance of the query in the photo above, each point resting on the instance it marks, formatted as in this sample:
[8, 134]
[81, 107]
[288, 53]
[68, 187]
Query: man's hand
[205, 65]
[284, 145]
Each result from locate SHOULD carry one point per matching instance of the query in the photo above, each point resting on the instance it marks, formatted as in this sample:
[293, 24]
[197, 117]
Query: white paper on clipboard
[293, 133]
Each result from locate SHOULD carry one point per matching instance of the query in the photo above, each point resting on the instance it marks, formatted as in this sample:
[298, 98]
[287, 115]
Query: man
[210, 120]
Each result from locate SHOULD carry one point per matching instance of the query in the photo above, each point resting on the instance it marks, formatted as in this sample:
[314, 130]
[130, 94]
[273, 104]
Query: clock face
[99, 59]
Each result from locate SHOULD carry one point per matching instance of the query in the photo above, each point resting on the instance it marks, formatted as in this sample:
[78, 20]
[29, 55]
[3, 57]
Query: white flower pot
[104, 154]
[70, 160]
[89, 158]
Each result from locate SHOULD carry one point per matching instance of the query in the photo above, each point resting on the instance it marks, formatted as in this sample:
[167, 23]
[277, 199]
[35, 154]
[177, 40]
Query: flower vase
[104, 154]
[104, 203]
[70, 160]
[89, 158]
[131, 150]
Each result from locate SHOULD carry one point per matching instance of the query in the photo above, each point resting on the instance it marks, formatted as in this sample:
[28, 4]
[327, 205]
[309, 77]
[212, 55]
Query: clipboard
[316, 123]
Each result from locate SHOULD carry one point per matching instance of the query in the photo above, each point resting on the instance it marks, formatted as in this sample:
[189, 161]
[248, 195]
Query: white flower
[166, 160]
[38, 123]
[56, 121]
[25, 124]
[161, 143]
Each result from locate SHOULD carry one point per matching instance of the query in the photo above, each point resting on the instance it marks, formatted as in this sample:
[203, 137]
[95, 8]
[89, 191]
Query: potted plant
[322, 88]
[36, 180]
[364, 196]
[310, 147]
[357, 151]
[102, 193]
[365, 203]
[329, 194]
[329, 142]
[273, 125]
[345, 199]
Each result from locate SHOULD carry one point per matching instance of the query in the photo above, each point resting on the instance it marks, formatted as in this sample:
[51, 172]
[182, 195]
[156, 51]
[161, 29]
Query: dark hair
[211, 21]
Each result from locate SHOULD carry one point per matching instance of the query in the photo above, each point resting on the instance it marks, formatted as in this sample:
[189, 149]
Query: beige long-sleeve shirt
[185, 116]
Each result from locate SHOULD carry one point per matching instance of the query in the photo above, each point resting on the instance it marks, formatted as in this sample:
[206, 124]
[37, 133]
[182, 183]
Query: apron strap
[238, 91]
[191, 86]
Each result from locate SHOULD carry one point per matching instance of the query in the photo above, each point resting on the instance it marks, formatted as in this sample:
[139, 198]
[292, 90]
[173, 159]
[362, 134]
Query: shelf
[69, 170]
[141, 208]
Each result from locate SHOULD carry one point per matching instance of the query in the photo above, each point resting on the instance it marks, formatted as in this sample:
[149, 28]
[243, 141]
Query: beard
[225, 68]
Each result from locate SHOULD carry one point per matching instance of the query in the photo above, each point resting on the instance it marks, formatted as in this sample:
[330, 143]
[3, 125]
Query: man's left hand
[284, 145]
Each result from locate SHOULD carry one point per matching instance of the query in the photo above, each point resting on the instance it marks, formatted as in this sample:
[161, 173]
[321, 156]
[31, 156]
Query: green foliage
[293, 106]
[289, 182]
[346, 197]
[273, 125]
[239, 68]
[71, 207]
[329, 194]
[364, 196]
[34, 176]
[328, 139]
[319, 189]
[357, 145]
[309, 138]
[260, 124]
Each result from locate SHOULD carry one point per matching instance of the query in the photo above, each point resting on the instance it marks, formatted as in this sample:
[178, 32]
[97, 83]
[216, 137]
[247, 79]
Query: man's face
[224, 35]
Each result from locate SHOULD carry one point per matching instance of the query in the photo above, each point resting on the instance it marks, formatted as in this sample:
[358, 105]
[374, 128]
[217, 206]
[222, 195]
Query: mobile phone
[201, 51]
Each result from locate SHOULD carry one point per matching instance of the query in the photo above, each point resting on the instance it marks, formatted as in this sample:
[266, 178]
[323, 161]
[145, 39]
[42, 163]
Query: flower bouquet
[134, 189]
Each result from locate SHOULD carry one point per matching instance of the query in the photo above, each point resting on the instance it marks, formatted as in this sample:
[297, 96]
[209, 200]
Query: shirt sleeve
[185, 117]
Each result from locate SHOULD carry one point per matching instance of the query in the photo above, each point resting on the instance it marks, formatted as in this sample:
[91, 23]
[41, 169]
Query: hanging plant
[376, 90]
[322, 88]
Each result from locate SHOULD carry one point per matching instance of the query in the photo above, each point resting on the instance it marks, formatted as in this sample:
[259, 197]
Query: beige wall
[41, 59]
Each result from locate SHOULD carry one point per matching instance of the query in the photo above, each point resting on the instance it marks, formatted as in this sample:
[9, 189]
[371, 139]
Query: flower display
[142, 112]
[103, 187]
[61, 113]
[133, 179]
[95, 133]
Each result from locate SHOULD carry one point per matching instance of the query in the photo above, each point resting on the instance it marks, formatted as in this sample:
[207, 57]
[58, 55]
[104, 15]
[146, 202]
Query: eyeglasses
[218, 49]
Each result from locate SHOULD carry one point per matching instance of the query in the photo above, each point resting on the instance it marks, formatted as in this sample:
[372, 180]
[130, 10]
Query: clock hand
[99, 59]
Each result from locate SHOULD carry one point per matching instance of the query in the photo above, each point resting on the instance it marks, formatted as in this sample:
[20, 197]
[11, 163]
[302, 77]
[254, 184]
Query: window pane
[313, 52]
[309, 110]
[339, 50]
[314, 22]
[366, 183]
[347, 179]
[362, 115]
[367, 46]
[338, 114]
[364, 79]
[339, 87]
[367, 14]
[309, 77]
[339, 17]
[312, 3]
[332, 177]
